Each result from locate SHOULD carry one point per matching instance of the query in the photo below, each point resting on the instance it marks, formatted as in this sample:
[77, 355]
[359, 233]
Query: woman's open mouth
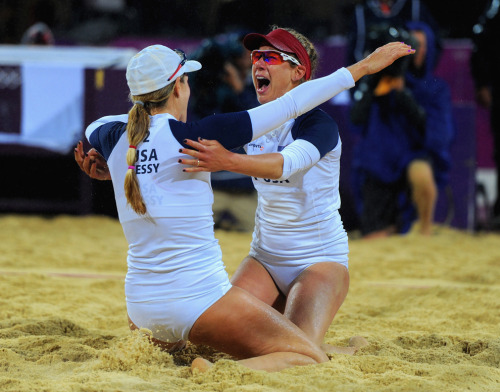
[262, 84]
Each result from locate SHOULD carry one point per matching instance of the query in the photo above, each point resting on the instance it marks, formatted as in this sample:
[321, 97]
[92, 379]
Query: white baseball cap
[155, 67]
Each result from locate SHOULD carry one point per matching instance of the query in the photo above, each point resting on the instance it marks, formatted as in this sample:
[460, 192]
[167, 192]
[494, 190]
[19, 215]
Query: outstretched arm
[211, 156]
[308, 95]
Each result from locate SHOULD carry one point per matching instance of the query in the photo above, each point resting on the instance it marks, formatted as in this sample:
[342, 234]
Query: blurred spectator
[41, 19]
[224, 84]
[485, 66]
[396, 13]
[98, 22]
[404, 116]
[38, 34]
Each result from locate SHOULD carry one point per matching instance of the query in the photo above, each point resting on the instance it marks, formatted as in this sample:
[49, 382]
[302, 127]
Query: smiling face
[272, 81]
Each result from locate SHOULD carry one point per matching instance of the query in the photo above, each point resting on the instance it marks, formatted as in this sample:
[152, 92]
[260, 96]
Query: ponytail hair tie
[139, 103]
[131, 146]
[131, 167]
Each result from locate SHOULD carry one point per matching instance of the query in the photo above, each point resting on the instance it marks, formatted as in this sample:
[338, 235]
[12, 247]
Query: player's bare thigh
[326, 282]
[315, 296]
[243, 326]
[254, 278]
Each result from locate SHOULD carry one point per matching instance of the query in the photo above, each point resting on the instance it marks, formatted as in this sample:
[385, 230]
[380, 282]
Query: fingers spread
[79, 155]
[87, 163]
[187, 151]
[206, 142]
[194, 165]
[93, 170]
[193, 144]
[93, 153]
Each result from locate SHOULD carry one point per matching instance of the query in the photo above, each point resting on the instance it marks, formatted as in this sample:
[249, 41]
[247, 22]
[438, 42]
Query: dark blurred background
[97, 22]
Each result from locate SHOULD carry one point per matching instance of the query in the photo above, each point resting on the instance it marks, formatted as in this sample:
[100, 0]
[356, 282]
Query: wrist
[358, 70]
[233, 163]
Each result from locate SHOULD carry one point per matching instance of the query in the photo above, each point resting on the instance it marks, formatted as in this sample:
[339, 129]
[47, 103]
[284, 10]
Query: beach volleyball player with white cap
[176, 284]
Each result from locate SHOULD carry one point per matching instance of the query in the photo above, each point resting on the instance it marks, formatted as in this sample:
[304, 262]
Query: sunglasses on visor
[272, 57]
[183, 61]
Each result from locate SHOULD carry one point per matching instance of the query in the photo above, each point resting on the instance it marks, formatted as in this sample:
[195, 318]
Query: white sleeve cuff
[297, 156]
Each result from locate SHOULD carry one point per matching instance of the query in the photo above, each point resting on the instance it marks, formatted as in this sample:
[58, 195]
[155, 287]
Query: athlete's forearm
[261, 166]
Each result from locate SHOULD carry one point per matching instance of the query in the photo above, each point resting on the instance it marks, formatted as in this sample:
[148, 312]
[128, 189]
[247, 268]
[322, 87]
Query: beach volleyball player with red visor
[298, 261]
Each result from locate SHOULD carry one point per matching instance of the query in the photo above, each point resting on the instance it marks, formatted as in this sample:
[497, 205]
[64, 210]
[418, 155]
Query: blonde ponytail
[137, 130]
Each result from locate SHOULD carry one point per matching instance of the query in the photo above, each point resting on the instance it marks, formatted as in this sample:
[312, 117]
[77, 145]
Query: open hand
[93, 164]
[381, 58]
[208, 156]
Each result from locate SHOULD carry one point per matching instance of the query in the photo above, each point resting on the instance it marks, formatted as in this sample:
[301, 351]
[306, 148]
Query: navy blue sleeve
[229, 129]
[319, 129]
[105, 137]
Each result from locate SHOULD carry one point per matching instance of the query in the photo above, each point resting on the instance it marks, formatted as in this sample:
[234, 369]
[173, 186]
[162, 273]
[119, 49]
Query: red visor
[281, 40]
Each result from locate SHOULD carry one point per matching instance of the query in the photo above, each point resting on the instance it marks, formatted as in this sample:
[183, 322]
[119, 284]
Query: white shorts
[171, 319]
[287, 253]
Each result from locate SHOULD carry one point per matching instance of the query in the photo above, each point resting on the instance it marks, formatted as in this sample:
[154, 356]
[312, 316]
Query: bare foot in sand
[201, 365]
[355, 343]
[358, 342]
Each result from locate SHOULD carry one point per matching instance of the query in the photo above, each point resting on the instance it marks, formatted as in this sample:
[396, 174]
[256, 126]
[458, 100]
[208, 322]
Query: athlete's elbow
[281, 176]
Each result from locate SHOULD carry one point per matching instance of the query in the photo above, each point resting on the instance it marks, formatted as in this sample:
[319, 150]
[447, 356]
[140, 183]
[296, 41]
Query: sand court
[430, 308]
